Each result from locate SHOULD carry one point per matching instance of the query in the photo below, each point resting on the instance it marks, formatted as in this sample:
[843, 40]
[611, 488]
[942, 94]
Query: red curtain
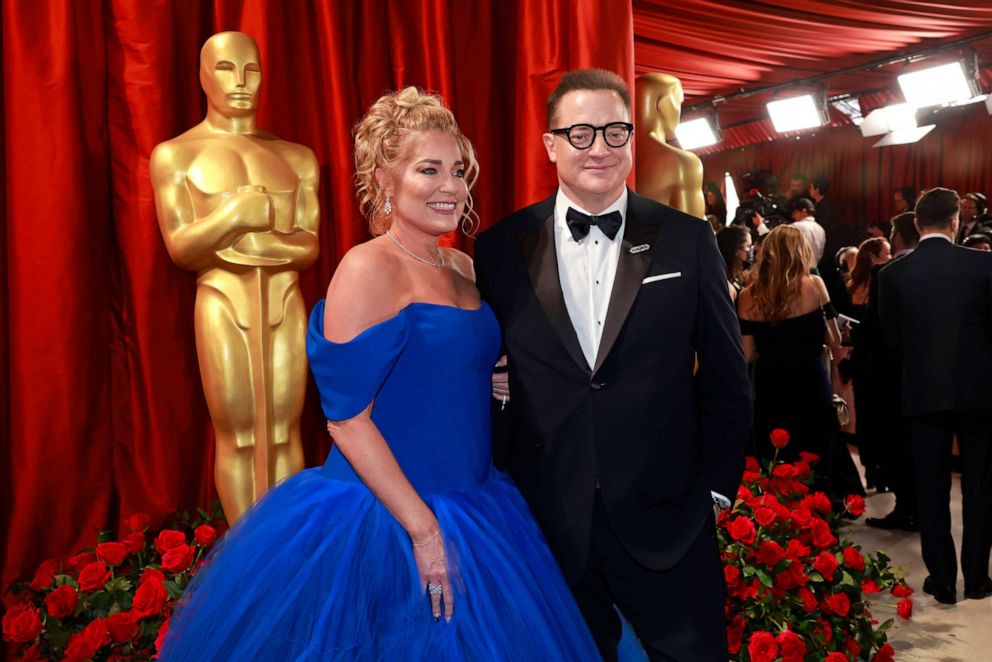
[101, 410]
[955, 155]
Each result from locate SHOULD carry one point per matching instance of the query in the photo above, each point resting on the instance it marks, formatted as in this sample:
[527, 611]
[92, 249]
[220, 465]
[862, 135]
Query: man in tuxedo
[605, 299]
[928, 301]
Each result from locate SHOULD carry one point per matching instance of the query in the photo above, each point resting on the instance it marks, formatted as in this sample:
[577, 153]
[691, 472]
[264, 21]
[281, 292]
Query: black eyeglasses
[582, 136]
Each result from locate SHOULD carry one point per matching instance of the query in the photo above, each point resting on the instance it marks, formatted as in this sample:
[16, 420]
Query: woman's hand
[432, 564]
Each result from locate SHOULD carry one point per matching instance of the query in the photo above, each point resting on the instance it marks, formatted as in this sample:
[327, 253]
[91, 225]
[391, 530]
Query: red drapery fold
[101, 409]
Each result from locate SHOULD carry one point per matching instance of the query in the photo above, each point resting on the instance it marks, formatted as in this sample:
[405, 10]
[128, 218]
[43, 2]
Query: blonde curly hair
[785, 260]
[381, 137]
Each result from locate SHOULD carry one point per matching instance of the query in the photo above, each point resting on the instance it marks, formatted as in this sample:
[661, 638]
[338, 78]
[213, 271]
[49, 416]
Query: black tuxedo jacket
[657, 438]
[935, 306]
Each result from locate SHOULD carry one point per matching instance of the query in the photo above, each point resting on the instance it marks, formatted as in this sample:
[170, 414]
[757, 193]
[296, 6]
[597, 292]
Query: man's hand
[501, 383]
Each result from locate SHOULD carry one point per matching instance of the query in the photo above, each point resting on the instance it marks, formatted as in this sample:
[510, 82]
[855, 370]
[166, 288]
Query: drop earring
[388, 207]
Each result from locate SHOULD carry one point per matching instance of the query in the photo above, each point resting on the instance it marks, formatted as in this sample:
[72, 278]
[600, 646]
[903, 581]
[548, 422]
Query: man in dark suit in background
[885, 421]
[929, 301]
[605, 298]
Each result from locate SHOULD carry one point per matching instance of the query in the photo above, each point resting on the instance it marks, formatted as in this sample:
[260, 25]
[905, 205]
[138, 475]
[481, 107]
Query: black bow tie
[579, 223]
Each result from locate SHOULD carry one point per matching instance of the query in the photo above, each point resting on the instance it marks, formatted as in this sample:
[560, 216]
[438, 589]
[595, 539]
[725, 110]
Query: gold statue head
[659, 102]
[231, 73]
[382, 141]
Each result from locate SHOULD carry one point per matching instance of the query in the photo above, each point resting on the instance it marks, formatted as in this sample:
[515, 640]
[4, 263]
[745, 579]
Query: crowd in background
[828, 367]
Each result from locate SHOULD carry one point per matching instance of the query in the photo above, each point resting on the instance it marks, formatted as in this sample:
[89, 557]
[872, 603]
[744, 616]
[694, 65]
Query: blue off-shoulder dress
[319, 570]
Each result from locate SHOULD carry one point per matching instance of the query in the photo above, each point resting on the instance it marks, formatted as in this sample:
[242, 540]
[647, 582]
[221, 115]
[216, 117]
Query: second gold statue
[239, 206]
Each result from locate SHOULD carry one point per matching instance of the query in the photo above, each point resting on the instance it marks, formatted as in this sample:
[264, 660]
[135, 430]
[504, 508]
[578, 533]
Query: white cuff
[720, 501]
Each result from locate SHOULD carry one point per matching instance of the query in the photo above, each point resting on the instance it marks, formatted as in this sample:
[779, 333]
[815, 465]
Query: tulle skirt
[319, 570]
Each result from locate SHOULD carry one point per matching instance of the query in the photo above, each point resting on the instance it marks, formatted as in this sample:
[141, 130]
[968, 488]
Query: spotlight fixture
[897, 117]
[904, 136]
[807, 111]
[934, 86]
[698, 132]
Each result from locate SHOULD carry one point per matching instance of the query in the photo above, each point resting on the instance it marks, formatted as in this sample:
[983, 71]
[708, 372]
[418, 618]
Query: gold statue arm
[193, 242]
[298, 248]
[693, 201]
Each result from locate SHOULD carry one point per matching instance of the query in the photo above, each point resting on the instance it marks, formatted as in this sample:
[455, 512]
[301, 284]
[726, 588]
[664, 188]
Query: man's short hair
[804, 204]
[981, 203]
[800, 177]
[937, 207]
[903, 225]
[587, 79]
[822, 184]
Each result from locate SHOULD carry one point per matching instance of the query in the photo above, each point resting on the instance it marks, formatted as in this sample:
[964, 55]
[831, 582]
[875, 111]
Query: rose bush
[112, 602]
[795, 591]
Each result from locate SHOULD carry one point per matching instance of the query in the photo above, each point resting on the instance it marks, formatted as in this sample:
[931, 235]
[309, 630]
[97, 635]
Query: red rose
[803, 470]
[870, 586]
[784, 471]
[779, 437]
[809, 600]
[731, 575]
[742, 530]
[97, 634]
[819, 502]
[796, 550]
[152, 575]
[762, 647]
[885, 654]
[80, 561]
[808, 458]
[791, 577]
[825, 630]
[791, 645]
[822, 536]
[93, 576]
[44, 575]
[62, 601]
[135, 542]
[764, 516]
[835, 657]
[79, 649]
[149, 599]
[744, 494]
[905, 608]
[855, 505]
[750, 477]
[852, 647]
[733, 640]
[826, 564]
[770, 553]
[902, 591]
[167, 539]
[751, 464]
[853, 559]
[839, 604]
[801, 518]
[32, 654]
[122, 626]
[21, 624]
[112, 553]
[205, 535]
[160, 639]
[178, 558]
[750, 591]
[137, 522]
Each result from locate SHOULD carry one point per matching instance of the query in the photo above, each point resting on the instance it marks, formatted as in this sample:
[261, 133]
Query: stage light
[797, 113]
[897, 117]
[946, 83]
[699, 132]
[904, 136]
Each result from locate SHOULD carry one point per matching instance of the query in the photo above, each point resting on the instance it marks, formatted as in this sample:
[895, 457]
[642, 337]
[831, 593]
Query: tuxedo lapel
[537, 243]
[631, 269]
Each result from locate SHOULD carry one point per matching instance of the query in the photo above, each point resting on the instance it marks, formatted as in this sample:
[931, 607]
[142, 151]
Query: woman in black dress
[786, 317]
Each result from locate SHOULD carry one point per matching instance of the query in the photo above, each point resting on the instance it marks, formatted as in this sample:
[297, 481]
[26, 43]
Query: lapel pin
[639, 249]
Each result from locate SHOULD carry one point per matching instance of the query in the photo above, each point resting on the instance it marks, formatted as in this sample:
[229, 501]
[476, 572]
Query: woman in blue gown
[407, 544]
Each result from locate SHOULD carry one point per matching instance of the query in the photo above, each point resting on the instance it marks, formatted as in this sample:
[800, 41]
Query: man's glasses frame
[567, 132]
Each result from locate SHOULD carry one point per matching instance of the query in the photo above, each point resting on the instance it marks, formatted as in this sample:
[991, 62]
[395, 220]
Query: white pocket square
[651, 279]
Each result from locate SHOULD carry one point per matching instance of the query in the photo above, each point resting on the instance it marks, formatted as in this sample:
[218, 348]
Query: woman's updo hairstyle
[381, 137]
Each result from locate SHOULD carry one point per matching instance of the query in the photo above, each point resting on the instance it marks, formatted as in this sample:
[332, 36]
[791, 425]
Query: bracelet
[428, 540]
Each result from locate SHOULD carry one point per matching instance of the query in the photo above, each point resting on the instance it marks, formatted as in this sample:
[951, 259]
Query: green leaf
[814, 576]
[748, 570]
[847, 580]
[173, 588]
[765, 578]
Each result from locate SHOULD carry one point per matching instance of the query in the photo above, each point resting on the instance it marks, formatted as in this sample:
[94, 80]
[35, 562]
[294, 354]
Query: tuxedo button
[597, 385]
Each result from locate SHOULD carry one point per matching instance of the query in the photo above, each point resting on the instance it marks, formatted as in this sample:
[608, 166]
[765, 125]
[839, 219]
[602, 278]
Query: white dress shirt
[586, 270]
[936, 235]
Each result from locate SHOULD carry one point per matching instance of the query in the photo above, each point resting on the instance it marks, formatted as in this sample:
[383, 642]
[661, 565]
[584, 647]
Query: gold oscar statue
[239, 206]
[665, 173]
